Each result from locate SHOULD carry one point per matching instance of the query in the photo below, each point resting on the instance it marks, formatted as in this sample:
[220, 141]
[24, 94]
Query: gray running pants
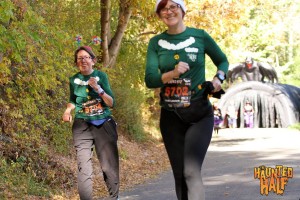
[104, 139]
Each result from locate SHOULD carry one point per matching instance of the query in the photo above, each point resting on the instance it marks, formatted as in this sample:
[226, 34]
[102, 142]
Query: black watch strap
[220, 77]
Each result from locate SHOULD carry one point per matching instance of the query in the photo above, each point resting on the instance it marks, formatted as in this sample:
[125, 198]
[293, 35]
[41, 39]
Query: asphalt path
[228, 169]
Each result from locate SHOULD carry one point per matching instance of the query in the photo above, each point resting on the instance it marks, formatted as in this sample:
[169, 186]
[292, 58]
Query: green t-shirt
[88, 104]
[190, 46]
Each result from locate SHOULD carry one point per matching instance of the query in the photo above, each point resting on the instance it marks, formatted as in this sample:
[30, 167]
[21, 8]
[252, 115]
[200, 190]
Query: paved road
[228, 170]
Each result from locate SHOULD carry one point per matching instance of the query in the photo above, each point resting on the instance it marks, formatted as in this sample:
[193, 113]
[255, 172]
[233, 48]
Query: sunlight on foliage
[36, 59]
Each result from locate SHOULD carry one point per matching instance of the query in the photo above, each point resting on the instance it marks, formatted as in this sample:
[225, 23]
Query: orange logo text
[273, 179]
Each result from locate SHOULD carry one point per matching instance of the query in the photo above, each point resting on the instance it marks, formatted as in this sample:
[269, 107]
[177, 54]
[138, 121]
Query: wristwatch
[101, 93]
[220, 77]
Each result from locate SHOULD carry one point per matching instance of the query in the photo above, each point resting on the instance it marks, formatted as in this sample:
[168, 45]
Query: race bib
[92, 107]
[177, 93]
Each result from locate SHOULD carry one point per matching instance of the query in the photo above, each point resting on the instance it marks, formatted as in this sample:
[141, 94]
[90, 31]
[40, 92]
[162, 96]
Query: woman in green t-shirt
[176, 64]
[91, 97]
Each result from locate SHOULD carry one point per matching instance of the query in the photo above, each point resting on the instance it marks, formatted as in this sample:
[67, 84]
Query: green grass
[15, 183]
[296, 126]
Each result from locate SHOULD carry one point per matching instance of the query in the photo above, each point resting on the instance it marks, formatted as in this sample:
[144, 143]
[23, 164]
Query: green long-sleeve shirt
[85, 98]
[191, 47]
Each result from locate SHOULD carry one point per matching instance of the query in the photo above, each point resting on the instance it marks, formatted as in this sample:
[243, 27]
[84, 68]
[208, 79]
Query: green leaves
[36, 59]
[6, 12]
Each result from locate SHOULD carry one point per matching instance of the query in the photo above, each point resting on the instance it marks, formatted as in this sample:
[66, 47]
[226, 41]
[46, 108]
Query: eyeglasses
[83, 58]
[172, 8]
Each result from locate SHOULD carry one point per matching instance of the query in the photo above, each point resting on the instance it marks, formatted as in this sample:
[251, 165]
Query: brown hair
[88, 49]
[163, 4]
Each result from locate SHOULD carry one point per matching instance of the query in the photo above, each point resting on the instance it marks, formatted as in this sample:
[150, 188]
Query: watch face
[220, 76]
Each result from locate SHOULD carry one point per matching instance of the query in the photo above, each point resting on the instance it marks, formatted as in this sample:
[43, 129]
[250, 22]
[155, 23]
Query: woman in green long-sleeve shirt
[166, 50]
[176, 64]
[93, 128]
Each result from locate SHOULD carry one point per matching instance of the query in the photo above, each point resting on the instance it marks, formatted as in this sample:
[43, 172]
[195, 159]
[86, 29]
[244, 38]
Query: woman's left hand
[217, 84]
[94, 83]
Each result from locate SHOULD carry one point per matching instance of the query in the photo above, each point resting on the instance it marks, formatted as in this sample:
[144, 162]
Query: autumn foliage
[37, 41]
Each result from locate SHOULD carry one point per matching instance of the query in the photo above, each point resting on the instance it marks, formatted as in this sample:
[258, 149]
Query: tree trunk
[111, 47]
[105, 29]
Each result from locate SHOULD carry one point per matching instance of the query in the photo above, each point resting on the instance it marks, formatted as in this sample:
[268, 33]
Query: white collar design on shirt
[81, 82]
[181, 45]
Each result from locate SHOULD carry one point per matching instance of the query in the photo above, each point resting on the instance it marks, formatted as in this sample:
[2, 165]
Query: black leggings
[186, 145]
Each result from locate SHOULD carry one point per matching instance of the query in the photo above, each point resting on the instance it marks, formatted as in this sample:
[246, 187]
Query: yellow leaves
[5, 73]
[17, 114]
[220, 18]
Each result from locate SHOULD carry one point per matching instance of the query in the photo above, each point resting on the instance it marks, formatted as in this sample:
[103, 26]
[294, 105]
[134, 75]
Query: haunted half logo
[273, 179]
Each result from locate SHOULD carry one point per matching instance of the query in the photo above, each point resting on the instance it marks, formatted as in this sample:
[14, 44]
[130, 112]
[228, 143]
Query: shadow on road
[228, 170]
[229, 142]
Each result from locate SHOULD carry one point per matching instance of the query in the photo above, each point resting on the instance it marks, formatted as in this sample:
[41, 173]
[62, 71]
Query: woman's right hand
[67, 117]
[181, 68]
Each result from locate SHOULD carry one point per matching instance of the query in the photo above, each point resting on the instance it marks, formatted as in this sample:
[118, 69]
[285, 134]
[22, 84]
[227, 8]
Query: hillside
[138, 162]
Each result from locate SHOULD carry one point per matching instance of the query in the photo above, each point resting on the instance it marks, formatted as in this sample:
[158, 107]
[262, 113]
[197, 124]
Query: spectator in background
[248, 115]
[231, 115]
[218, 119]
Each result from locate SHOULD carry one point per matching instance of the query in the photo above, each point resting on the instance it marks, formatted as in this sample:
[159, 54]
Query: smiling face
[172, 15]
[84, 62]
